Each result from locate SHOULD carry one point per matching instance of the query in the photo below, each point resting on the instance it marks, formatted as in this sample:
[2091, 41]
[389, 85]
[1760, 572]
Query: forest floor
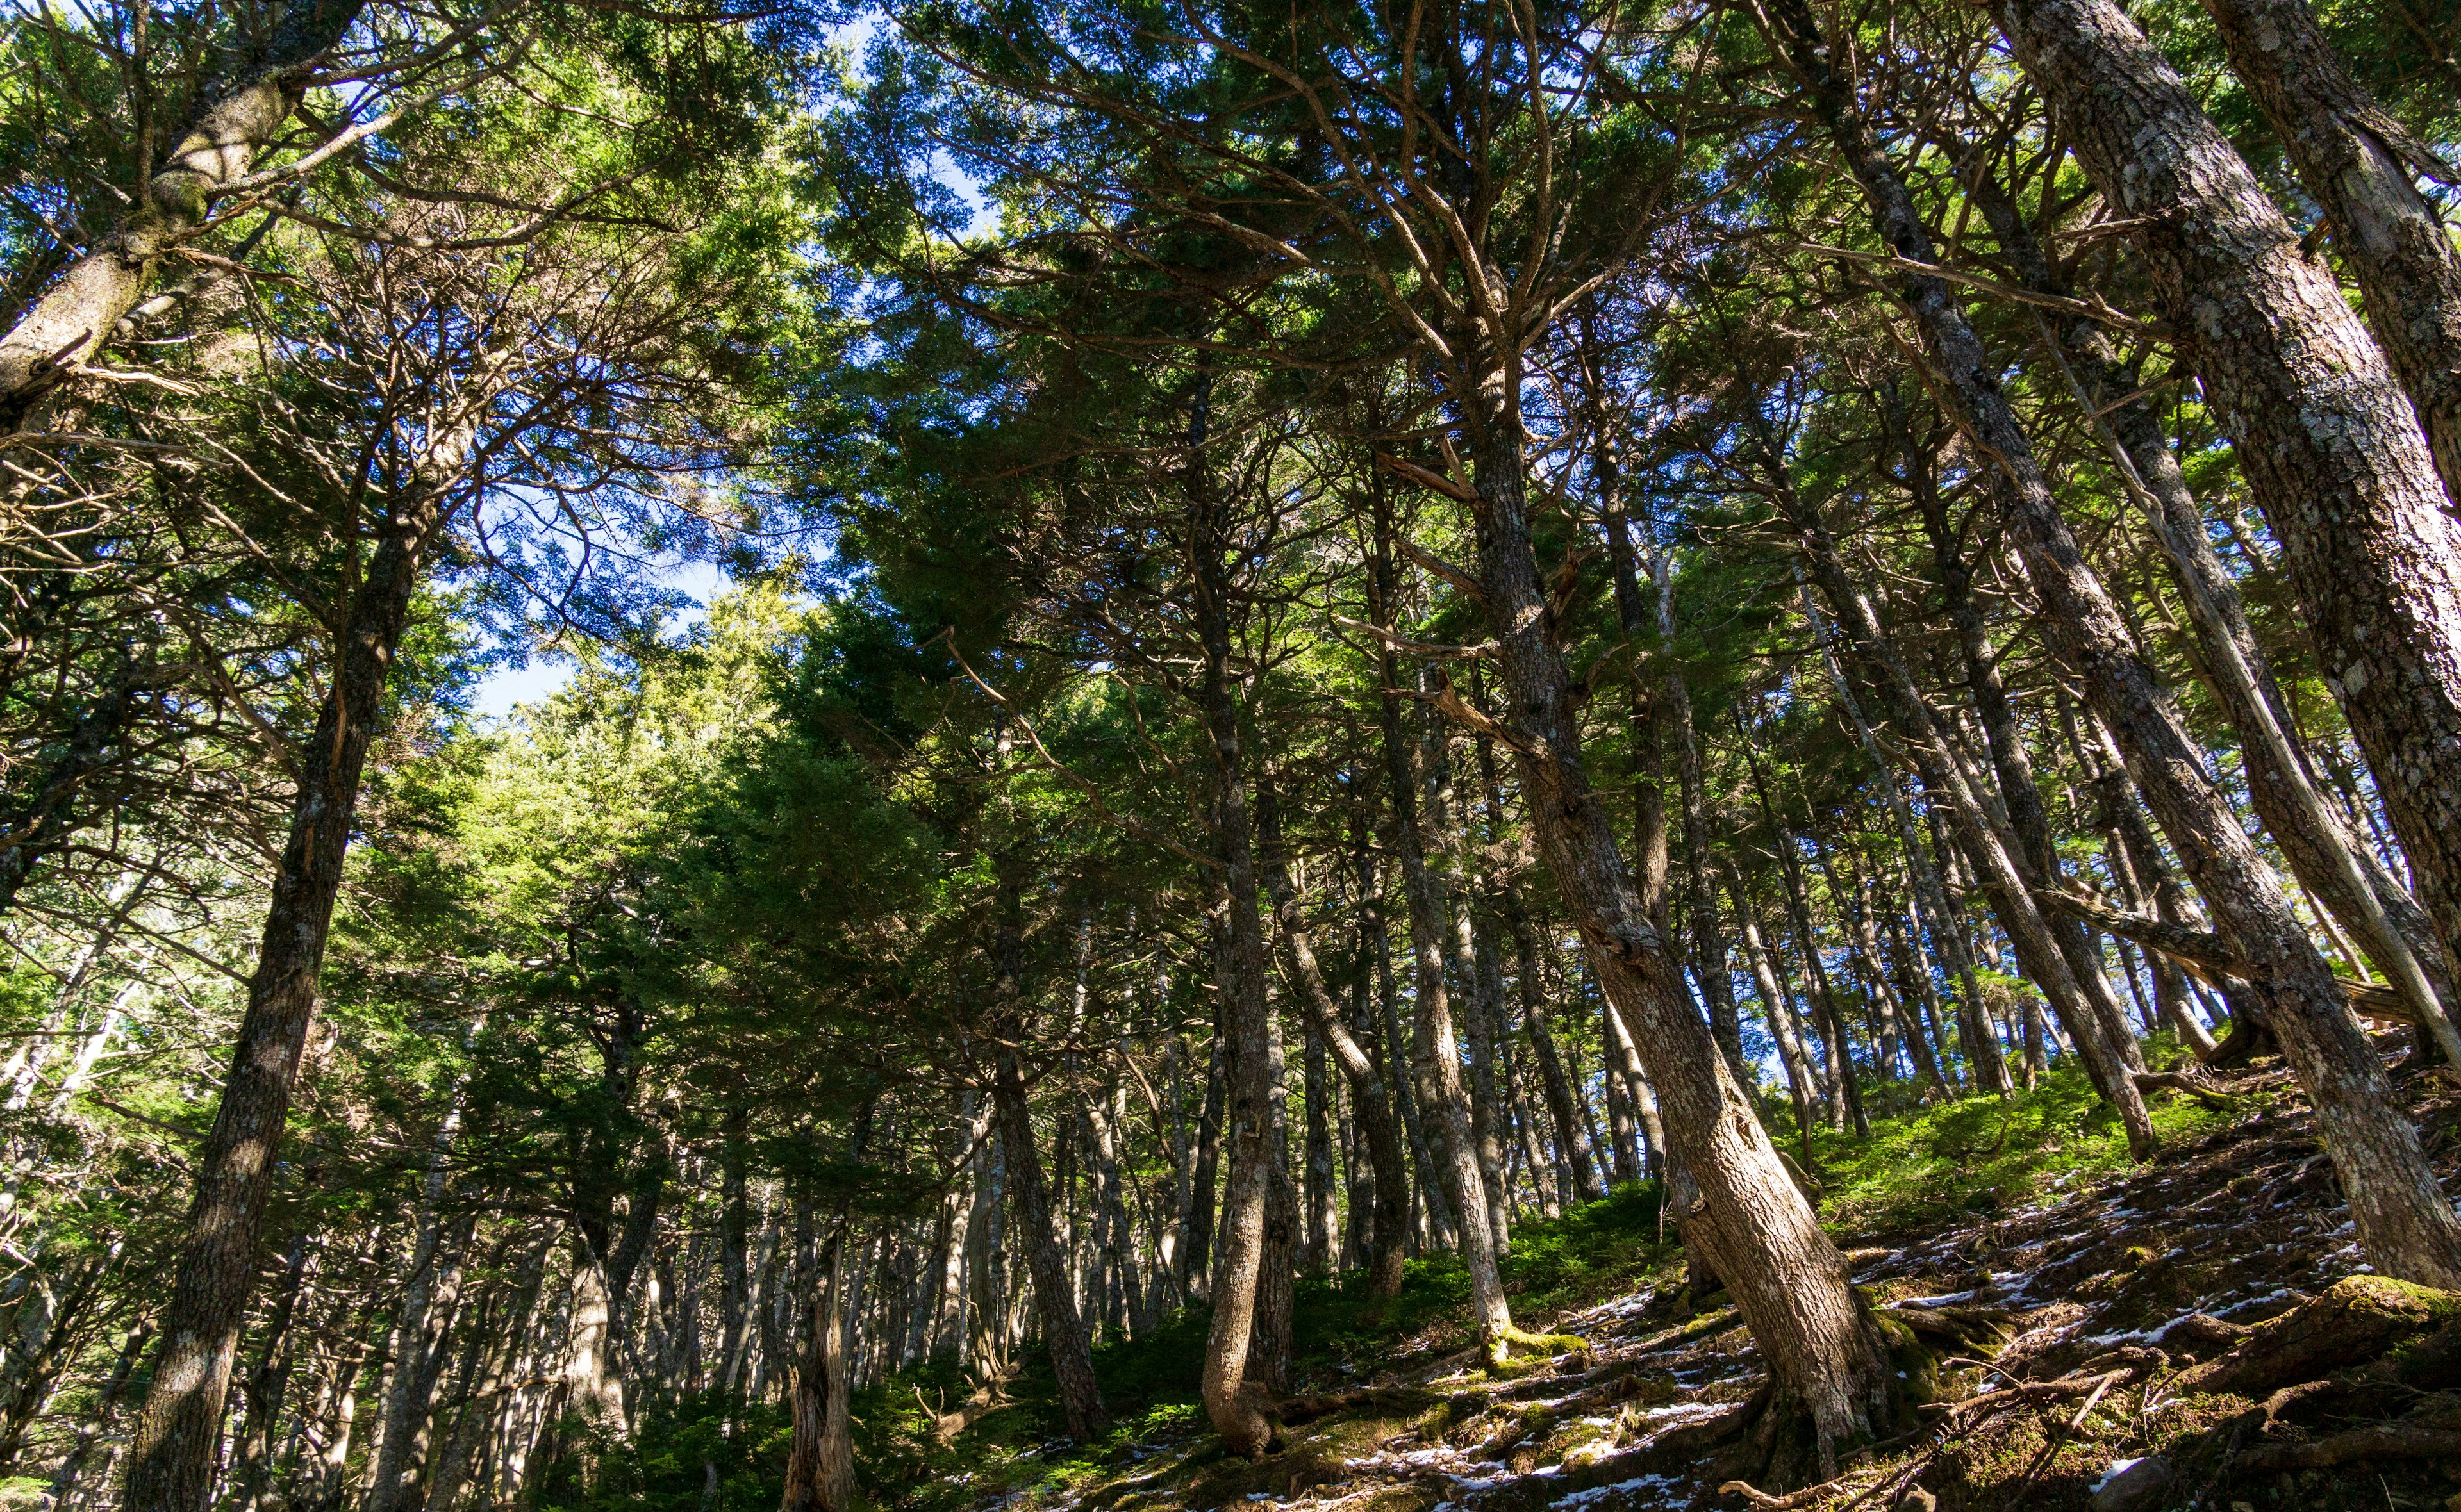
[2114, 1281]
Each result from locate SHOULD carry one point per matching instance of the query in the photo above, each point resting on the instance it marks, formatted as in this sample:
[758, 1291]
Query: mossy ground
[1942, 1195]
[1926, 1166]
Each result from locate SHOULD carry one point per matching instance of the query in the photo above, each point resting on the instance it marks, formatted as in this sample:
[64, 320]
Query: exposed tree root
[2356, 1320]
[1979, 1330]
[2180, 1081]
[1300, 1409]
[1540, 1347]
[2376, 1441]
[1953, 1421]
[2247, 1041]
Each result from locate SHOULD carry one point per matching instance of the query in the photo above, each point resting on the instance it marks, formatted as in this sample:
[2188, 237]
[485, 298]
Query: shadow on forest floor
[2029, 1206]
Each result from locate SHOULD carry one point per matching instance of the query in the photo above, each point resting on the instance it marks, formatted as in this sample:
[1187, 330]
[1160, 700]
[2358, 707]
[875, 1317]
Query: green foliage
[700, 1454]
[1983, 1155]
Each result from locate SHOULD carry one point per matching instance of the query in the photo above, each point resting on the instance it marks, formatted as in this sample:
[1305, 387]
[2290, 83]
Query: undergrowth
[1932, 1166]
[1921, 1167]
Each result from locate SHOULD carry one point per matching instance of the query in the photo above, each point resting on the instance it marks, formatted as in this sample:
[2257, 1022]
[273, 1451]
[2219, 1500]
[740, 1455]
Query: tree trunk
[2029, 823]
[1846, 1091]
[2326, 437]
[422, 1333]
[1368, 1101]
[1930, 907]
[1269, 1334]
[1235, 1404]
[1978, 830]
[237, 116]
[2402, 1220]
[594, 1386]
[1707, 930]
[265, 1386]
[1435, 1053]
[1827, 1362]
[1442, 843]
[2332, 863]
[1780, 1011]
[96, 1420]
[1320, 1251]
[2360, 163]
[820, 1458]
[1196, 1241]
[1571, 1131]
[171, 1461]
[1063, 1327]
[735, 1247]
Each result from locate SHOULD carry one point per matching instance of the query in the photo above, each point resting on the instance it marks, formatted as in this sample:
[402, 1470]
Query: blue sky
[501, 691]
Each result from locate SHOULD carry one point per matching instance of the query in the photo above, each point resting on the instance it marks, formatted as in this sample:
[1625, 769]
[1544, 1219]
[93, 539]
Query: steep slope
[2197, 1331]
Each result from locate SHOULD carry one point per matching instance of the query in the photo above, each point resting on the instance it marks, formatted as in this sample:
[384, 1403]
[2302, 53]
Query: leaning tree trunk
[1988, 1070]
[2404, 1221]
[237, 116]
[1829, 1363]
[1370, 1107]
[2336, 867]
[2358, 163]
[2028, 821]
[171, 1461]
[2326, 437]
[1707, 930]
[1063, 1327]
[1572, 1134]
[1435, 1053]
[1792, 1058]
[2012, 899]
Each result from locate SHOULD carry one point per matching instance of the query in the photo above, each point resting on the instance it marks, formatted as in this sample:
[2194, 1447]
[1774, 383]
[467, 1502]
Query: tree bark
[1435, 1054]
[2360, 163]
[1369, 1104]
[1235, 1404]
[1827, 1362]
[2336, 867]
[1063, 1327]
[2327, 440]
[2402, 1220]
[820, 1457]
[237, 116]
[171, 1461]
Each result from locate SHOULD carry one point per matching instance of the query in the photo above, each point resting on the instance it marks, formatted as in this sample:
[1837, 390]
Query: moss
[2405, 1298]
[1909, 1357]
[1945, 1163]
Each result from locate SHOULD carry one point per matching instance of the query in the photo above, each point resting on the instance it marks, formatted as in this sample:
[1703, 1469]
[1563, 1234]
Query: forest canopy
[1342, 635]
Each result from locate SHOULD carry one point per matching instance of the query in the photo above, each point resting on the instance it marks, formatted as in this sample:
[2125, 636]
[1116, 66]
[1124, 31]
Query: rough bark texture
[1435, 1054]
[235, 118]
[1234, 1404]
[2359, 162]
[2402, 1220]
[2326, 438]
[171, 1461]
[1827, 1362]
[2337, 867]
[820, 1457]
